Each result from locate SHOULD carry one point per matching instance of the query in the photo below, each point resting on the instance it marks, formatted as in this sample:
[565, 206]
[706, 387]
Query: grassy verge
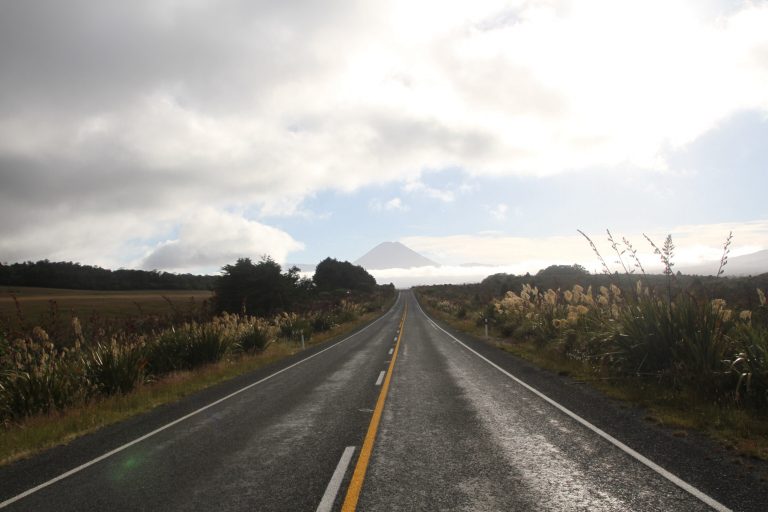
[38, 433]
[742, 430]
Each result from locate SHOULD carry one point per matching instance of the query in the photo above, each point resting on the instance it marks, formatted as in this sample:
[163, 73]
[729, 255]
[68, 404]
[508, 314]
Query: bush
[207, 345]
[187, 347]
[254, 340]
[168, 352]
[115, 368]
[322, 322]
[292, 326]
[685, 339]
[38, 378]
[751, 364]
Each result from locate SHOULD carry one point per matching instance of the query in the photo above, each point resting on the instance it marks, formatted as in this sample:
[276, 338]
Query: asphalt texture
[456, 434]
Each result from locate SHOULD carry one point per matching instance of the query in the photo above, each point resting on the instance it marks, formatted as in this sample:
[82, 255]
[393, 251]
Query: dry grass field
[36, 303]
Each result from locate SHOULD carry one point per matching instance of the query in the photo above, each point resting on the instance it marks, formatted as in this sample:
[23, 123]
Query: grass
[35, 303]
[37, 433]
[743, 430]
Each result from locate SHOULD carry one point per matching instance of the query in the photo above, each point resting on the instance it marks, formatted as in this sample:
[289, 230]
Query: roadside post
[486, 327]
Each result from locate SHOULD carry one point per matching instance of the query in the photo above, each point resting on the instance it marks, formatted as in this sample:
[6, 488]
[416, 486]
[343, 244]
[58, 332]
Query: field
[102, 314]
[34, 303]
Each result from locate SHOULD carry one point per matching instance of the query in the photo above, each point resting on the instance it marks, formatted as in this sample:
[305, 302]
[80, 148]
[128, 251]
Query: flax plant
[666, 253]
[633, 255]
[39, 374]
[115, 367]
[619, 253]
[606, 270]
[724, 257]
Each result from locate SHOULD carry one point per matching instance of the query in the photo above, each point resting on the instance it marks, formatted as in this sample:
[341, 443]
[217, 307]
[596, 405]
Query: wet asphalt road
[456, 434]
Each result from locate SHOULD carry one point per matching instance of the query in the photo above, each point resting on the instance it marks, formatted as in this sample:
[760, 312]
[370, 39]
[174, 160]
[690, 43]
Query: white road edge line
[381, 378]
[626, 449]
[185, 417]
[329, 497]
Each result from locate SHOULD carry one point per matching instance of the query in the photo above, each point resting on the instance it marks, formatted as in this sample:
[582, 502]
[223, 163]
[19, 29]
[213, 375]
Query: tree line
[66, 274]
[262, 288]
[255, 288]
[737, 291]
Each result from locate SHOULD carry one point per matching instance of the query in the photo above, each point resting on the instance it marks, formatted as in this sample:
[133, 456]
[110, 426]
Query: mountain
[752, 264]
[393, 255]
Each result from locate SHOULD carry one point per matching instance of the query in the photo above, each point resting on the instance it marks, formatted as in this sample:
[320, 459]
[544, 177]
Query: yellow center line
[358, 477]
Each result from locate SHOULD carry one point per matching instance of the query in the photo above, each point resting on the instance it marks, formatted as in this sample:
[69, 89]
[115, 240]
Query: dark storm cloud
[89, 55]
[45, 190]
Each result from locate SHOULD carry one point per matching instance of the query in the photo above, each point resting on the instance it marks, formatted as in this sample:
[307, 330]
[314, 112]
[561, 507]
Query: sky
[182, 135]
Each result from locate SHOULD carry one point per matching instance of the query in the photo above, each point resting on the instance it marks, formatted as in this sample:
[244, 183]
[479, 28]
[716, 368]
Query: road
[440, 426]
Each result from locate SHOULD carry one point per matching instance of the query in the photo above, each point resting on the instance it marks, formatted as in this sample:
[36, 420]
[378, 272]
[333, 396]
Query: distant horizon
[468, 274]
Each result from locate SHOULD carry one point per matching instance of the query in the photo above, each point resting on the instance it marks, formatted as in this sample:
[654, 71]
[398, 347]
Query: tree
[256, 288]
[65, 274]
[331, 274]
[563, 271]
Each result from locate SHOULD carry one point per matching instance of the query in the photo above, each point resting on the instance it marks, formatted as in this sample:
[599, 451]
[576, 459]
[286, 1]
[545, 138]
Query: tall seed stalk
[724, 257]
[665, 253]
[606, 270]
[633, 255]
[615, 247]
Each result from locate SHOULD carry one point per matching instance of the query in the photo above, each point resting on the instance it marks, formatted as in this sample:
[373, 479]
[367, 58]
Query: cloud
[394, 204]
[694, 244]
[449, 274]
[417, 186]
[499, 212]
[275, 95]
[210, 239]
[137, 112]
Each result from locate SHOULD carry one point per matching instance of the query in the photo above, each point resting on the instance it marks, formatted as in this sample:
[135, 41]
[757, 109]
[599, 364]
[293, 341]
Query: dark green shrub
[322, 322]
[751, 364]
[208, 345]
[292, 326]
[168, 352]
[38, 378]
[254, 340]
[687, 339]
[115, 368]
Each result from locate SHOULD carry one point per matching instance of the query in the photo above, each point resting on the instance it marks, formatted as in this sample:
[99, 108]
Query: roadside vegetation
[65, 375]
[694, 350]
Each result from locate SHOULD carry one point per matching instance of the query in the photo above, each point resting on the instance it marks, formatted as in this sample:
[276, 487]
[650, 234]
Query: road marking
[391, 350]
[358, 477]
[381, 378]
[333, 486]
[626, 449]
[185, 417]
